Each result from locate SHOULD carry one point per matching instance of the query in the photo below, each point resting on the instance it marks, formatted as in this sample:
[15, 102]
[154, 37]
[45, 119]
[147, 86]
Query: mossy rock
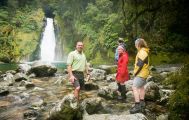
[67, 113]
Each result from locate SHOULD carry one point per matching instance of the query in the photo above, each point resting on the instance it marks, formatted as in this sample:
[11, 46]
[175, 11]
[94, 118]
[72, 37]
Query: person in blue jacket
[120, 41]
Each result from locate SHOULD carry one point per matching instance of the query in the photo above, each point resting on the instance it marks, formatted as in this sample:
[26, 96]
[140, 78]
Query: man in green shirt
[76, 66]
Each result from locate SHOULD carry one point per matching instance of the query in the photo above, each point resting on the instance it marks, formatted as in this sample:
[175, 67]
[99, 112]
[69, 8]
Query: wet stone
[4, 91]
[42, 69]
[19, 77]
[11, 71]
[91, 86]
[110, 77]
[31, 115]
[30, 85]
[92, 105]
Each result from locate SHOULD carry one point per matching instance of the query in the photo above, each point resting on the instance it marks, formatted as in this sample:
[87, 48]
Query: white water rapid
[48, 42]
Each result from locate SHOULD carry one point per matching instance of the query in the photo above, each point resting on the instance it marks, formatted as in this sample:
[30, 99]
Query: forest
[99, 23]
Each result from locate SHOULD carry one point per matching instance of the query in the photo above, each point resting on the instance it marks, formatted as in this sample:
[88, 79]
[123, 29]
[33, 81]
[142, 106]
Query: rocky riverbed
[38, 92]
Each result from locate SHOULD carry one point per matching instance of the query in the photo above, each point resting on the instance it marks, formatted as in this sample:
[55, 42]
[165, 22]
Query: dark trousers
[80, 79]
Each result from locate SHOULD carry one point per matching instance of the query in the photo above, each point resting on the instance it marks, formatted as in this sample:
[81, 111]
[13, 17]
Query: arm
[71, 76]
[69, 67]
[140, 64]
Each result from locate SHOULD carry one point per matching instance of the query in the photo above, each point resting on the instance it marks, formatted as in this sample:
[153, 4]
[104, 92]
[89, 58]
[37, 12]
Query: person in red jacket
[122, 72]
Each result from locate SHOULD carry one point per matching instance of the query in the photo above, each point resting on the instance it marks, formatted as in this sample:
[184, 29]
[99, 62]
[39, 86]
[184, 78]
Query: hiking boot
[142, 104]
[135, 109]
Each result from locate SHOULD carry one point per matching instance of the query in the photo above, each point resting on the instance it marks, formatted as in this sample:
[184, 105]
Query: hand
[72, 78]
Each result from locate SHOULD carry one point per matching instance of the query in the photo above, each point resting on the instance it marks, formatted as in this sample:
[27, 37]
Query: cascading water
[48, 42]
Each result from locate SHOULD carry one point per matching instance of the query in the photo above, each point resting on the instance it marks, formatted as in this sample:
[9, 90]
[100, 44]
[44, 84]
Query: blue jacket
[116, 55]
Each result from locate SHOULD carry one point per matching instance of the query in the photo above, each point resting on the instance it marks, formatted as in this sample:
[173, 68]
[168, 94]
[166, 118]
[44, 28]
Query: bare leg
[142, 93]
[136, 94]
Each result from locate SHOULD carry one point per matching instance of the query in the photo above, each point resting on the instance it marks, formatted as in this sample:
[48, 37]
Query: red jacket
[122, 71]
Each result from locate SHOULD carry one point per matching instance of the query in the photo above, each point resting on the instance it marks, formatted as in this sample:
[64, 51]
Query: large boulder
[92, 105]
[105, 92]
[110, 69]
[110, 91]
[98, 74]
[43, 69]
[19, 77]
[67, 109]
[152, 91]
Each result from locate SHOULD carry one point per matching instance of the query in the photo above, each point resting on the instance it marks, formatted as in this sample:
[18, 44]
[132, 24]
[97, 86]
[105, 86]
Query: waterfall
[48, 42]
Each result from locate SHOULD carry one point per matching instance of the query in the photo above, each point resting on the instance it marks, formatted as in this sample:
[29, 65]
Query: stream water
[7, 66]
[22, 101]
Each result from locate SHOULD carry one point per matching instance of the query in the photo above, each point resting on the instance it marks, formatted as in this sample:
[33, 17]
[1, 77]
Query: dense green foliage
[20, 28]
[162, 23]
[100, 22]
[93, 22]
[178, 103]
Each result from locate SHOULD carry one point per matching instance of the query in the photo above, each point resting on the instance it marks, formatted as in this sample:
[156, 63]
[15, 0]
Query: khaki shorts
[139, 82]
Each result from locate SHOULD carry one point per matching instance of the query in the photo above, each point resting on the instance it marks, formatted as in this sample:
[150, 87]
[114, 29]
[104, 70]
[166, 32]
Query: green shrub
[179, 101]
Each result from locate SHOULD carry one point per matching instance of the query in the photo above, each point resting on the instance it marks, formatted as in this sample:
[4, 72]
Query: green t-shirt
[77, 61]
